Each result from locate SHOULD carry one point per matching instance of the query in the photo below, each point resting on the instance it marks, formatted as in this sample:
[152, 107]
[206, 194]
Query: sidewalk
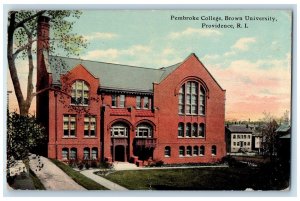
[51, 176]
[102, 181]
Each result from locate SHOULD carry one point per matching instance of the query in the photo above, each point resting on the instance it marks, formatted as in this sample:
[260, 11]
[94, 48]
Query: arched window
[202, 130]
[202, 151]
[144, 130]
[214, 150]
[181, 151]
[65, 153]
[194, 129]
[191, 98]
[180, 129]
[167, 151]
[86, 153]
[188, 130]
[80, 93]
[73, 155]
[189, 151]
[119, 130]
[94, 153]
[195, 151]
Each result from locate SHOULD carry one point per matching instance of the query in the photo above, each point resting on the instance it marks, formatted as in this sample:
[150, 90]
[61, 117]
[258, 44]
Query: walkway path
[51, 176]
[102, 181]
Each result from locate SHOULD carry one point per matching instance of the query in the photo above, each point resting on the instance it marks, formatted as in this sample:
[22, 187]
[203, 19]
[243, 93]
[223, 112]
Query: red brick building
[113, 112]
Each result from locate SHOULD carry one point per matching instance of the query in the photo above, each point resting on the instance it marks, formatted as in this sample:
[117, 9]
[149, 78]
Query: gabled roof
[283, 128]
[238, 129]
[112, 76]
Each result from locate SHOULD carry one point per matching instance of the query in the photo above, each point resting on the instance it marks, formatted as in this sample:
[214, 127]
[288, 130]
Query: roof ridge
[160, 69]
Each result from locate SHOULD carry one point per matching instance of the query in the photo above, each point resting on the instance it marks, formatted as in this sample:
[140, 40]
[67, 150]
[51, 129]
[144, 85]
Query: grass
[201, 179]
[37, 183]
[79, 178]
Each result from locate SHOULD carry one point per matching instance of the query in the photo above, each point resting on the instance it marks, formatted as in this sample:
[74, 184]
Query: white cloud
[111, 54]
[194, 31]
[243, 43]
[100, 36]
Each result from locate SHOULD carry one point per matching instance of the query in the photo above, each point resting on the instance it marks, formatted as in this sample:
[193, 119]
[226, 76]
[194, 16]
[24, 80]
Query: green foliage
[61, 37]
[78, 177]
[24, 134]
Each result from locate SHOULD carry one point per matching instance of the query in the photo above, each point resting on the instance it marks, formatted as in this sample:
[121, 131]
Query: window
[181, 100]
[146, 103]
[202, 151]
[122, 100]
[189, 151]
[80, 93]
[89, 126]
[202, 101]
[238, 143]
[180, 129]
[188, 130]
[167, 151]
[234, 143]
[119, 130]
[114, 100]
[143, 131]
[248, 143]
[181, 151]
[194, 129]
[213, 150]
[249, 136]
[195, 151]
[233, 136]
[238, 136]
[86, 153]
[191, 98]
[202, 130]
[118, 100]
[65, 153]
[244, 143]
[69, 125]
[138, 102]
[73, 155]
[94, 153]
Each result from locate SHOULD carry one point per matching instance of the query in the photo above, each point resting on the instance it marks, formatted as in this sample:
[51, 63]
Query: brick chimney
[42, 46]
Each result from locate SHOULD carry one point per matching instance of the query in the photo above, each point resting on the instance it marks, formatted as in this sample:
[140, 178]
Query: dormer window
[80, 93]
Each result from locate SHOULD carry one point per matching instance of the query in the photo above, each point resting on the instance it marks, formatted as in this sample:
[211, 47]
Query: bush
[159, 163]
[80, 166]
[87, 166]
[94, 164]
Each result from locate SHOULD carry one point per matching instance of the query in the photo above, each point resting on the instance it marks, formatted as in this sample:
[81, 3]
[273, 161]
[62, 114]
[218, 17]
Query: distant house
[238, 138]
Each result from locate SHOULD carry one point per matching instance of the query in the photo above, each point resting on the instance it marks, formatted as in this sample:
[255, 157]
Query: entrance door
[120, 153]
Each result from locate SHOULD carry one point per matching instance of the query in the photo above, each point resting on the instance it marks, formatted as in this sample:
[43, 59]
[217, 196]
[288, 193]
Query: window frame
[167, 151]
[69, 129]
[65, 153]
[213, 150]
[192, 98]
[144, 128]
[90, 124]
[88, 154]
[119, 127]
[80, 93]
[181, 149]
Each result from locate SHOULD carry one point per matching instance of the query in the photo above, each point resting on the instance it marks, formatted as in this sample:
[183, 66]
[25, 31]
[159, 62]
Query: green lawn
[201, 179]
[37, 183]
[79, 178]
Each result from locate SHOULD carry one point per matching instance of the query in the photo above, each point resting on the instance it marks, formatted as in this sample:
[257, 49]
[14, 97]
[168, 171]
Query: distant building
[238, 138]
[283, 133]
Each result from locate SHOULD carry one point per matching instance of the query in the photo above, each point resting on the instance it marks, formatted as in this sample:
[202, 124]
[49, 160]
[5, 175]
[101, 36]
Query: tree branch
[19, 24]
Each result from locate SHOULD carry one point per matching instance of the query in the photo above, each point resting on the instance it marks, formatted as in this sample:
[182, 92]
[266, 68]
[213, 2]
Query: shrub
[87, 166]
[159, 163]
[94, 164]
[80, 166]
